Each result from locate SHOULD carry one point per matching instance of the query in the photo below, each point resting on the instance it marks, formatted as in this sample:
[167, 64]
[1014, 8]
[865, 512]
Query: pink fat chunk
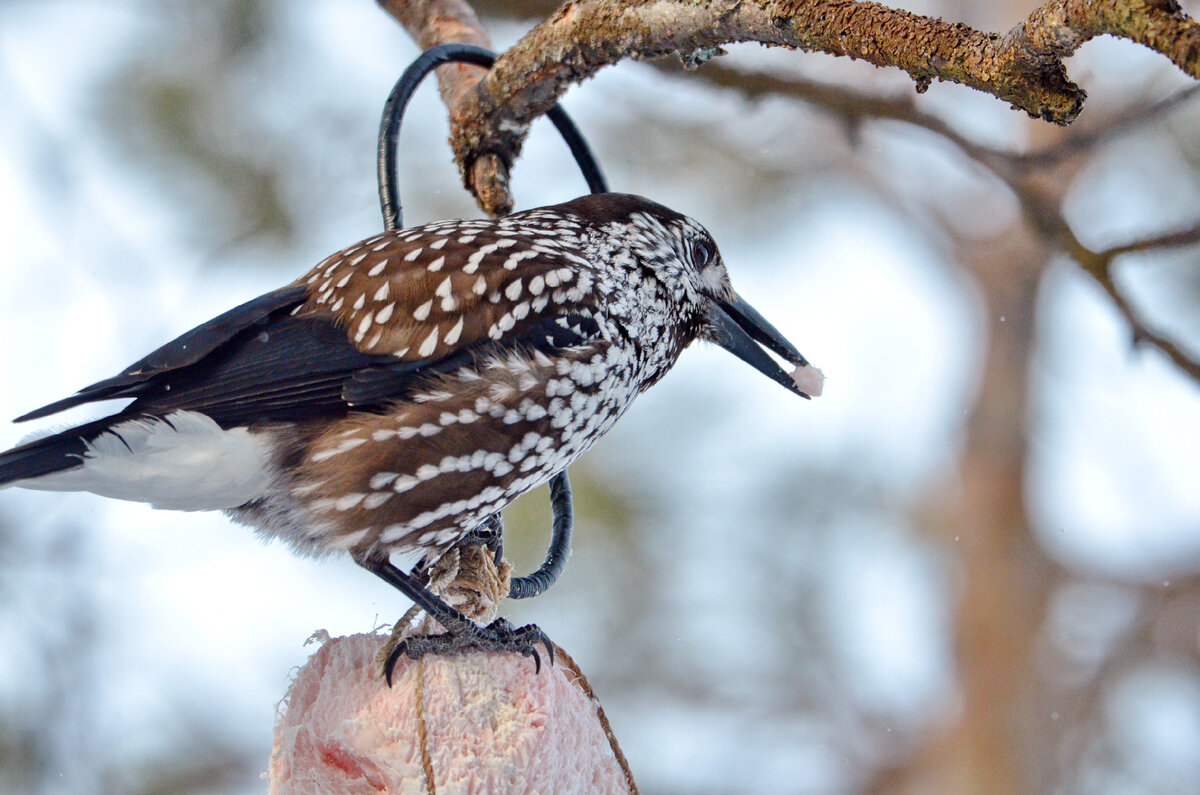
[491, 724]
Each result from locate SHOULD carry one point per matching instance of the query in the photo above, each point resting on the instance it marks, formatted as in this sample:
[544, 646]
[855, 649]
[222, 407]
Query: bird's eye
[702, 252]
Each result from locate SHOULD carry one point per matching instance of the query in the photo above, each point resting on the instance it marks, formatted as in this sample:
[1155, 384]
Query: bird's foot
[500, 635]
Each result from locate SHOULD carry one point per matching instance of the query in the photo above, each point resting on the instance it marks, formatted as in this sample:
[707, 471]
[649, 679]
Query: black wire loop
[397, 103]
[389, 204]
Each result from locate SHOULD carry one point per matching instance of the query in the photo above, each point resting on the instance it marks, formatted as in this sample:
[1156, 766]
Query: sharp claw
[500, 635]
[390, 665]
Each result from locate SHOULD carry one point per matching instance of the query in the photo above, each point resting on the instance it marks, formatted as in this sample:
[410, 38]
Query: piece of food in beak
[740, 329]
[810, 380]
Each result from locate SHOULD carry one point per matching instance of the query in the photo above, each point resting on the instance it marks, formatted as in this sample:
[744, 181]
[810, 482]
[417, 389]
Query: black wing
[180, 352]
[258, 363]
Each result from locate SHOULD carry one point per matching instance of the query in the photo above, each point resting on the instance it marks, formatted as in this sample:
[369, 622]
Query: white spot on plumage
[510, 263]
[360, 302]
[348, 501]
[513, 290]
[385, 314]
[412, 255]
[438, 244]
[443, 289]
[358, 259]
[378, 267]
[393, 533]
[381, 480]
[430, 343]
[342, 446]
[422, 312]
[404, 483]
[436, 265]
[453, 334]
[382, 293]
[480, 286]
[373, 501]
[342, 282]
[363, 325]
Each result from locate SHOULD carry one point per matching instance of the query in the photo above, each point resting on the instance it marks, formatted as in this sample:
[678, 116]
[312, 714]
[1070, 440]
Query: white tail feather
[183, 462]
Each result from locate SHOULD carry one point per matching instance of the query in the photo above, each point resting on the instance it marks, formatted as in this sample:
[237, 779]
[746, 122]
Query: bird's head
[681, 256]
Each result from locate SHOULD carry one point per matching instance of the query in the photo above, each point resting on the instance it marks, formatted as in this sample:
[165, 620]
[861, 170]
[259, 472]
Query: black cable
[397, 103]
[389, 204]
[560, 543]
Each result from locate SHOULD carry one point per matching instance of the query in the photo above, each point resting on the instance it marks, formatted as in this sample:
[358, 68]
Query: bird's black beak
[739, 328]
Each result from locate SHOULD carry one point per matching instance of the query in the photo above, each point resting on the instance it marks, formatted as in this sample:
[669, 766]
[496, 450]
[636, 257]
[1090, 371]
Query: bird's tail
[48, 454]
[182, 461]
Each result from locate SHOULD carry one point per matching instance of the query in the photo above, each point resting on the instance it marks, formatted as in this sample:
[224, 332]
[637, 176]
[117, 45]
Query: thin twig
[1100, 266]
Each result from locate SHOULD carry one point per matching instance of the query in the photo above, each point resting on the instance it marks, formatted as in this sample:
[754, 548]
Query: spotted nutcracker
[412, 385]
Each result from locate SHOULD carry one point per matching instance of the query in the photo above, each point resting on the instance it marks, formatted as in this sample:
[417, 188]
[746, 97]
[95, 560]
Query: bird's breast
[467, 444]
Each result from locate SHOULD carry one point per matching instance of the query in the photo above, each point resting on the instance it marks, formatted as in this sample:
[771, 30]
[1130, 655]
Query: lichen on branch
[491, 112]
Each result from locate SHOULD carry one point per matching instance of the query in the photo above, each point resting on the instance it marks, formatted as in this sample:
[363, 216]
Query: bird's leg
[461, 632]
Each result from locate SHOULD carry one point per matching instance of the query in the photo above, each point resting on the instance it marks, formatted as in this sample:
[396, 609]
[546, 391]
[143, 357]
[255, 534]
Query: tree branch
[490, 117]
[1023, 67]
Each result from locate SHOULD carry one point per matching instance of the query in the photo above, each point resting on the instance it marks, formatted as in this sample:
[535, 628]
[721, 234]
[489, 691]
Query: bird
[412, 385]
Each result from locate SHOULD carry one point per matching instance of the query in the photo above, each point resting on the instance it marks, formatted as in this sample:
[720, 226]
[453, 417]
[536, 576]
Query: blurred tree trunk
[1004, 576]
